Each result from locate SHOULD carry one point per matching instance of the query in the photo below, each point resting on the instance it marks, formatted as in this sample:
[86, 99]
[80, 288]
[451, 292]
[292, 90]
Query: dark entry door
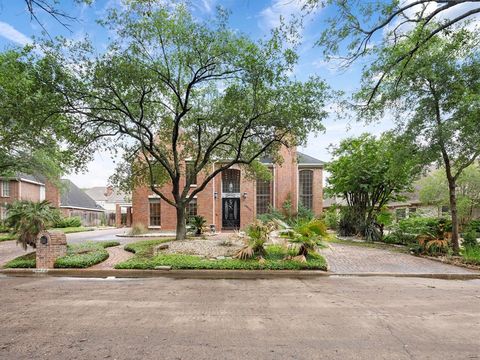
[231, 213]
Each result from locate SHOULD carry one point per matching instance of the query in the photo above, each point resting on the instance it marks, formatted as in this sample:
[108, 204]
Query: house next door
[231, 199]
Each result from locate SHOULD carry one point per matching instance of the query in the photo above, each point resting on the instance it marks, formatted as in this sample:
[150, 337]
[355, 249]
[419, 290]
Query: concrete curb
[222, 274]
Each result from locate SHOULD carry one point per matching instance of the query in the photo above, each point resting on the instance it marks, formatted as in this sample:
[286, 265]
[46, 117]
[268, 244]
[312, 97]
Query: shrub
[349, 223]
[473, 225]
[85, 255]
[331, 218]
[471, 255]
[470, 238]
[257, 233]
[305, 213]
[198, 222]
[271, 215]
[24, 261]
[28, 219]
[425, 225]
[398, 236]
[68, 222]
[138, 229]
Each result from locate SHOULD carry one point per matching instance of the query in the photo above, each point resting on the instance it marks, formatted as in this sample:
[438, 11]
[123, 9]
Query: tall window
[189, 173]
[155, 219]
[305, 178]
[192, 208]
[231, 181]
[264, 196]
[5, 188]
[3, 212]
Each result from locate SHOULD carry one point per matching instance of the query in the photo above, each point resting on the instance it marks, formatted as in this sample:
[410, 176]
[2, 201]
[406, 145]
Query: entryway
[231, 199]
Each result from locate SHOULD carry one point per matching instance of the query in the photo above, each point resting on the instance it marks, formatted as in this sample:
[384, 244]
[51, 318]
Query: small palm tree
[28, 219]
[198, 222]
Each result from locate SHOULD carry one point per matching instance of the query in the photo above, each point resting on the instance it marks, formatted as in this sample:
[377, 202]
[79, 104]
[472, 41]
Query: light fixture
[215, 195]
[244, 195]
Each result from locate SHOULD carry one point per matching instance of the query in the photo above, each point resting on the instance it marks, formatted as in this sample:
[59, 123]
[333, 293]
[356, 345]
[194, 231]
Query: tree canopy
[368, 172]
[171, 88]
[34, 137]
[435, 98]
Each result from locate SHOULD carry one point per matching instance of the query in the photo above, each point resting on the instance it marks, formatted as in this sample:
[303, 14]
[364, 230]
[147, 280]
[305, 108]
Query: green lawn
[471, 255]
[70, 230]
[145, 259]
[6, 237]
[78, 256]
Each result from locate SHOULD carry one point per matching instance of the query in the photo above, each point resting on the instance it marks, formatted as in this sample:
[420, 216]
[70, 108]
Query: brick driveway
[345, 258]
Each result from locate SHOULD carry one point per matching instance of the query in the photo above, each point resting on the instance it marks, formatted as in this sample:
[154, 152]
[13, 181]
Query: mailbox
[50, 246]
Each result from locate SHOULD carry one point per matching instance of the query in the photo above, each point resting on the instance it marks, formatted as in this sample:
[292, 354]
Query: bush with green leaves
[257, 235]
[198, 223]
[67, 222]
[425, 226]
[349, 224]
[331, 217]
[470, 238]
[27, 219]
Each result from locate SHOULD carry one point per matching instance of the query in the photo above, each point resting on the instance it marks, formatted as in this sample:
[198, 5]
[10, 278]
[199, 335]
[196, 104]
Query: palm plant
[198, 222]
[257, 234]
[28, 219]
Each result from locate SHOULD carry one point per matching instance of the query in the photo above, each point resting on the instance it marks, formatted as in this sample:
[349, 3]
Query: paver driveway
[347, 259]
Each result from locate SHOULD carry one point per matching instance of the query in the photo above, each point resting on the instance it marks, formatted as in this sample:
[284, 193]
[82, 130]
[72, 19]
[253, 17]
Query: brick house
[26, 187]
[71, 200]
[232, 201]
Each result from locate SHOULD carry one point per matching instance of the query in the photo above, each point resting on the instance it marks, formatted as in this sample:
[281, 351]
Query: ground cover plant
[78, 256]
[274, 258]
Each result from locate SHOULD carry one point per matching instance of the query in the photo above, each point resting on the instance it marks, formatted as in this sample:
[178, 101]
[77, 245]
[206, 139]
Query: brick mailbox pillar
[50, 246]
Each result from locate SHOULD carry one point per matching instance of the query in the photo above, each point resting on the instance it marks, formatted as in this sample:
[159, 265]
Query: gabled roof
[303, 159]
[307, 159]
[109, 195]
[73, 197]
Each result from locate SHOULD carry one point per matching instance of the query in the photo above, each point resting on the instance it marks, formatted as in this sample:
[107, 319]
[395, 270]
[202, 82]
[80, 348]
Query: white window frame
[5, 188]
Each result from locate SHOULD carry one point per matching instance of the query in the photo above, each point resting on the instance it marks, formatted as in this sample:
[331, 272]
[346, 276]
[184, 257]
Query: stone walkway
[116, 255]
[10, 250]
[345, 259]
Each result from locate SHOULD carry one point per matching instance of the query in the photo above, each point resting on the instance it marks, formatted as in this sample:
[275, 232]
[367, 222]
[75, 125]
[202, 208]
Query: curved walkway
[116, 255]
[346, 259]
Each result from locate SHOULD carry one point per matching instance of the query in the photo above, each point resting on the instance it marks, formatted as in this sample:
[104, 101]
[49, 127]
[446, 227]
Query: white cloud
[9, 32]
[97, 173]
[286, 9]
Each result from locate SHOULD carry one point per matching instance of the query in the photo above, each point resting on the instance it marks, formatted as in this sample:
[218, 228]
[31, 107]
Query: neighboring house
[75, 202]
[232, 200]
[109, 198]
[25, 187]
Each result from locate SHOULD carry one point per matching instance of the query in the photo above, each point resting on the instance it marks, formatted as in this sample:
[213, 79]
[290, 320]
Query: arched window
[231, 181]
[305, 178]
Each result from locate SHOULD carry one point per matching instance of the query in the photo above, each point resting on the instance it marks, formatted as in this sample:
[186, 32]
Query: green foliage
[470, 238]
[71, 230]
[27, 219]
[257, 234]
[368, 172]
[272, 215]
[434, 190]
[473, 225]
[24, 261]
[84, 255]
[425, 226]
[274, 259]
[308, 234]
[144, 248]
[287, 206]
[78, 256]
[471, 255]
[305, 213]
[199, 223]
[138, 229]
[34, 137]
[331, 217]
[68, 222]
[399, 237]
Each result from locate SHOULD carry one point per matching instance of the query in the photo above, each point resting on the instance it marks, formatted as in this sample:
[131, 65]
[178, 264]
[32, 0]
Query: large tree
[369, 172]
[435, 97]
[171, 87]
[34, 137]
[434, 191]
[357, 28]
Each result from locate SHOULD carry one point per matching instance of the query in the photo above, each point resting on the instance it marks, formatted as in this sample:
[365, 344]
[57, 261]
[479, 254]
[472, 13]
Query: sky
[255, 18]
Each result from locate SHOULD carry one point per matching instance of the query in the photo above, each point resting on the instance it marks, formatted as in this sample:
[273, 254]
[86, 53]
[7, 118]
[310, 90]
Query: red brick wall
[285, 186]
[52, 194]
[13, 194]
[29, 191]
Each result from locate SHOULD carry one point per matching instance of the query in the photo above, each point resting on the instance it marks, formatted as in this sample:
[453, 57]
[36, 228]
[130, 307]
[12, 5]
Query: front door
[231, 213]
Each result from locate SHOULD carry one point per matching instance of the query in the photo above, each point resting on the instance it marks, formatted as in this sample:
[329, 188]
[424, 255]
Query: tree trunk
[181, 223]
[453, 209]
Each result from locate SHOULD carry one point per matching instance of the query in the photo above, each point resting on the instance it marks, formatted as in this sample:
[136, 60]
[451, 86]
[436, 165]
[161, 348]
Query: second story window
[305, 179]
[5, 188]
[190, 173]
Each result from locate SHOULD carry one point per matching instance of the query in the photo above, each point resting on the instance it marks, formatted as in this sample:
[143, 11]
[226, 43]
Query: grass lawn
[145, 259]
[78, 256]
[6, 237]
[71, 230]
[471, 255]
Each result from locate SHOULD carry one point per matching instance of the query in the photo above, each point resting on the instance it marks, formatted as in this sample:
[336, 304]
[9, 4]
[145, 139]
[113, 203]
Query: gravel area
[207, 248]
